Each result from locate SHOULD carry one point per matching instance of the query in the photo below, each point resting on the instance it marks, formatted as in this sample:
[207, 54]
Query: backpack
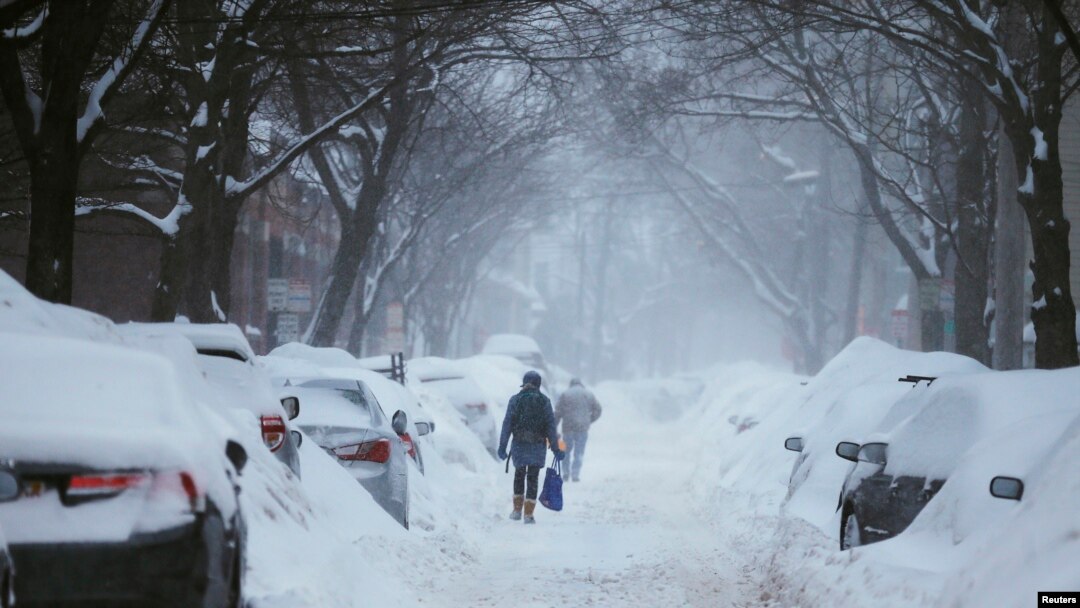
[529, 424]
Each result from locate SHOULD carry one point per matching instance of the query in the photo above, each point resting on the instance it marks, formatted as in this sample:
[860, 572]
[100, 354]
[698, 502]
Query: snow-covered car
[295, 360]
[9, 490]
[521, 347]
[453, 382]
[227, 361]
[128, 482]
[344, 418]
[903, 465]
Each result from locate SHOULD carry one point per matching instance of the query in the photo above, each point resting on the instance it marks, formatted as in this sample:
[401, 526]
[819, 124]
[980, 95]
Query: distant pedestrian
[578, 409]
[531, 422]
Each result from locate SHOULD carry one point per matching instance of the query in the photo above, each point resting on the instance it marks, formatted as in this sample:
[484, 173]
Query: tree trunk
[1041, 195]
[53, 181]
[1009, 253]
[48, 136]
[851, 315]
[974, 213]
[347, 260]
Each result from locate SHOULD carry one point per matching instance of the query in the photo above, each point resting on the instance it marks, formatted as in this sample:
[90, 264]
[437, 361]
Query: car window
[221, 352]
[377, 413]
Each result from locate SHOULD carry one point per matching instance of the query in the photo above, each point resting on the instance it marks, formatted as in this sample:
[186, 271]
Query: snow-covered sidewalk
[632, 534]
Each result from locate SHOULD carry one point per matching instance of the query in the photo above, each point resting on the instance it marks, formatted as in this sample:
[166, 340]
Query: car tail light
[101, 485]
[370, 451]
[410, 447]
[105, 485]
[478, 407]
[181, 483]
[273, 432]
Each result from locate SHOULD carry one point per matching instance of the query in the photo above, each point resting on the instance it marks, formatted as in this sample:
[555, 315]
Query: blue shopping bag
[551, 495]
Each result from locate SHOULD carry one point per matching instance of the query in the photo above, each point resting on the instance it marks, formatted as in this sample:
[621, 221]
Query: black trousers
[521, 474]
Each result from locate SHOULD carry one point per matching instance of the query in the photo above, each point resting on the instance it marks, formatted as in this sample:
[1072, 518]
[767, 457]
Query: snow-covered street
[632, 533]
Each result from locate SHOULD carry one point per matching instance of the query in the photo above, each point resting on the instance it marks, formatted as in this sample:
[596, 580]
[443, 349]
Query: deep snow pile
[966, 548]
[321, 541]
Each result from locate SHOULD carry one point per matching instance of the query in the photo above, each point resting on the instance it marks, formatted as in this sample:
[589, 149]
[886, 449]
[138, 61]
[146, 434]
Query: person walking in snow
[531, 422]
[578, 409]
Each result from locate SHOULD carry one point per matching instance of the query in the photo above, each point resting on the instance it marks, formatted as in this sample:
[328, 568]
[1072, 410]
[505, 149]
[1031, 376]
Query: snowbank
[966, 548]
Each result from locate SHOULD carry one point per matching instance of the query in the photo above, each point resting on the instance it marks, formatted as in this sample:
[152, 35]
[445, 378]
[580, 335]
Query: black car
[126, 495]
[874, 505]
[9, 490]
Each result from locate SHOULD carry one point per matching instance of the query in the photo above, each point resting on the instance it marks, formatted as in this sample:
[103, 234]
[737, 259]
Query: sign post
[277, 295]
[394, 340]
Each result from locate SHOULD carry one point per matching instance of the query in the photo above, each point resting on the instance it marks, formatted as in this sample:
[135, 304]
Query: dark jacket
[530, 450]
[577, 408]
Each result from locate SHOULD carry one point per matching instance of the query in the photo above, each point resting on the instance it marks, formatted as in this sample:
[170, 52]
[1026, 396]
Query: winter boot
[518, 501]
[530, 506]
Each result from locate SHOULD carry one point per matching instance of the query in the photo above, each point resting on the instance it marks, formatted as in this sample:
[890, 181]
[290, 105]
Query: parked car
[462, 391]
[343, 417]
[899, 468]
[10, 489]
[128, 483]
[523, 348]
[228, 363]
[302, 361]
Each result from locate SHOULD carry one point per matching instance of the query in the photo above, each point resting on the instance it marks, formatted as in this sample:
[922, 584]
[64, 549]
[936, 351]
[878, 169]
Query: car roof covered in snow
[510, 344]
[434, 368]
[955, 413]
[323, 356]
[205, 336]
[76, 401]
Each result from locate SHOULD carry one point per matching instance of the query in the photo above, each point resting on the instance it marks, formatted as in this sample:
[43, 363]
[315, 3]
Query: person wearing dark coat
[578, 409]
[531, 422]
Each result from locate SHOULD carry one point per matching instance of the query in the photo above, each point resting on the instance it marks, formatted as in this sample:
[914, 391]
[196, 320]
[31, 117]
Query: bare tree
[52, 51]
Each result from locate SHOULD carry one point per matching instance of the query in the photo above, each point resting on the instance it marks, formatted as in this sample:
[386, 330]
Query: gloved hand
[559, 454]
[502, 454]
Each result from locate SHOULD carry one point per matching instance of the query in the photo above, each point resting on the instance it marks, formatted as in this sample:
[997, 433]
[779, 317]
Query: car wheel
[850, 532]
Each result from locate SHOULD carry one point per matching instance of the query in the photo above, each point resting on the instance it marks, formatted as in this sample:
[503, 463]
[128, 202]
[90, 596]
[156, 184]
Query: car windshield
[330, 402]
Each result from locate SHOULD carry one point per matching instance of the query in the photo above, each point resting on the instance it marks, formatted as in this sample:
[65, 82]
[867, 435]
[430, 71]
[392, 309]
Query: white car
[523, 348]
[228, 363]
[452, 381]
[128, 482]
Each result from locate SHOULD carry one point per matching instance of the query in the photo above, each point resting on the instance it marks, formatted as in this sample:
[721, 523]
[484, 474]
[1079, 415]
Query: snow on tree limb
[121, 67]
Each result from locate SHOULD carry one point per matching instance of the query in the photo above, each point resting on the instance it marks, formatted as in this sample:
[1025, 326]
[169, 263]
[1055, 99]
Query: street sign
[394, 340]
[299, 296]
[277, 294]
[929, 294]
[288, 328]
[900, 324]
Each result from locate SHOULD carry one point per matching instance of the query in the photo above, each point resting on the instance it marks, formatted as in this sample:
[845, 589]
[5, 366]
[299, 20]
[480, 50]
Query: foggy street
[539, 303]
[633, 533]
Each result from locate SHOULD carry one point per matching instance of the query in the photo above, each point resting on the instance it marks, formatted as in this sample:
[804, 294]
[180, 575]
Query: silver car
[345, 419]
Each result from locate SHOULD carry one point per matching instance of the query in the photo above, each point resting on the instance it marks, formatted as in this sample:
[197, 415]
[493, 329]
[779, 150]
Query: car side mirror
[292, 406]
[237, 455]
[297, 438]
[422, 428]
[400, 422]
[795, 444]
[848, 451]
[1009, 488]
[10, 488]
